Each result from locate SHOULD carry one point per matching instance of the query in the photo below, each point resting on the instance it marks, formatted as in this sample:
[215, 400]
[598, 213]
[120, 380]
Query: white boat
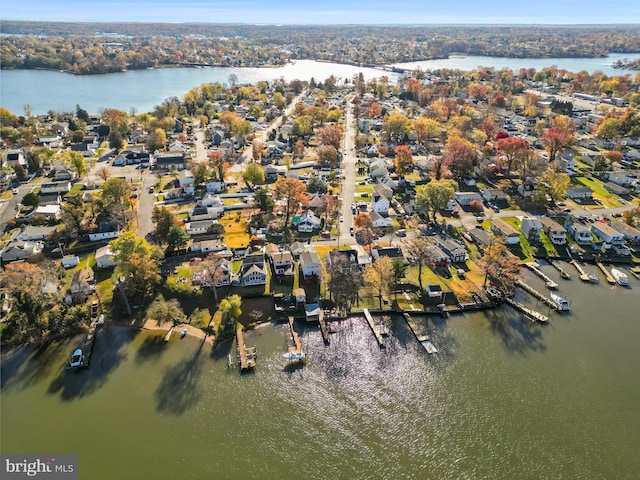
[593, 278]
[427, 344]
[77, 358]
[294, 356]
[620, 276]
[560, 302]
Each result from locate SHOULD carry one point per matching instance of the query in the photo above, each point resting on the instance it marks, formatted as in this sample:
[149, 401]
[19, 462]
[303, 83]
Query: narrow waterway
[502, 399]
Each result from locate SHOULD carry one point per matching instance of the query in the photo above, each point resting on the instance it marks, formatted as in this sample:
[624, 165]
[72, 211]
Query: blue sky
[327, 11]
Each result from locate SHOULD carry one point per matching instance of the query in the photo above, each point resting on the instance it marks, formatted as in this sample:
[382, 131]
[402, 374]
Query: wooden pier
[374, 328]
[246, 356]
[607, 273]
[323, 329]
[424, 340]
[528, 312]
[563, 273]
[90, 339]
[534, 267]
[167, 337]
[539, 295]
[297, 346]
[583, 275]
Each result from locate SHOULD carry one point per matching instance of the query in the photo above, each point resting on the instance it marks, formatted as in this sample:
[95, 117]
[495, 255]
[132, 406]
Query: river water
[144, 89]
[503, 399]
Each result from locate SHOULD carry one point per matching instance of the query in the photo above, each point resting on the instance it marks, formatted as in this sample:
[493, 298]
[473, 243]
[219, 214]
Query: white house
[630, 233]
[455, 250]
[506, 231]
[310, 265]
[531, 227]
[465, 198]
[282, 264]
[581, 233]
[579, 193]
[253, 270]
[216, 187]
[379, 221]
[105, 257]
[210, 200]
[607, 233]
[34, 233]
[105, 231]
[199, 227]
[47, 211]
[20, 250]
[205, 213]
[381, 199]
[58, 188]
[208, 246]
[556, 232]
[494, 195]
[187, 182]
[308, 222]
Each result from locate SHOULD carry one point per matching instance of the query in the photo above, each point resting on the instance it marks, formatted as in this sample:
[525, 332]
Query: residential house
[105, 257]
[480, 237]
[454, 249]
[622, 178]
[531, 227]
[312, 312]
[105, 231]
[296, 249]
[465, 198]
[283, 264]
[309, 222]
[199, 227]
[310, 266]
[173, 194]
[224, 273]
[317, 201]
[436, 257]
[215, 187]
[379, 221]
[205, 213]
[351, 265]
[53, 199]
[381, 199]
[15, 157]
[187, 182]
[55, 188]
[616, 189]
[63, 173]
[580, 193]
[630, 233]
[20, 250]
[34, 233]
[391, 252]
[505, 230]
[208, 246]
[166, 160]
[83, 284]
[494, 195]
[50, 212]
[253, 270]
[580, 233]
[556, 232]
[209, 200]
[607, 233]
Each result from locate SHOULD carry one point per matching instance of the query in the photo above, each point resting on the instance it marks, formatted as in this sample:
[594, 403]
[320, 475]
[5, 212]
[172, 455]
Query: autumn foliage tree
[559, 136]
[510, 149]
[293, 193]
[331, 135]
[404, 160]
[460, 157]
[499, 265]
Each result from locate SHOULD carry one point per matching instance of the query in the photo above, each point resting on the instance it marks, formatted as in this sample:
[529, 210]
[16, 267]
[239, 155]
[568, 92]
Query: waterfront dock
[167, 337]
[323, 329]
[539, 295]
[607, 273]
[528, 312]
[424, 340]
[297, 346]
[246, 355]
[583, 275]
[563, 273]
[90, 339]
[535, 268]
[374, 328]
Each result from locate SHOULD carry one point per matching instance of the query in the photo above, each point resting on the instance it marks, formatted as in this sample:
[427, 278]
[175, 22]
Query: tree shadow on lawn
[106, 357]
[179, 388]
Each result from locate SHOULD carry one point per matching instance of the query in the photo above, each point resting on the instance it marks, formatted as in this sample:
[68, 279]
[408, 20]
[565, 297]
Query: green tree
[399, 272]
[164, 311]
[253, 175]
[555, 183]
[116, 141]
[395, 126]
[177, 238]
[230, 308]
[164, 220]
[315, 185]
[156, 140]
[435, 196]
[419, 249]
[302, 126]
[379, 276]
[263, 201]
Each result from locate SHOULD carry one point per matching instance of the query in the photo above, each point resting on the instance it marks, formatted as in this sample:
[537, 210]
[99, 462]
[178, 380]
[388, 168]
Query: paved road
[349, 170]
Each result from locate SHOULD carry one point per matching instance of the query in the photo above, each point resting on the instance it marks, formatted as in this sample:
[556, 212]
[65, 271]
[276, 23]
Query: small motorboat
[183, 333]
[76, 359]
[294, 356]
[560, 302]
[593, 278]
[620, 277]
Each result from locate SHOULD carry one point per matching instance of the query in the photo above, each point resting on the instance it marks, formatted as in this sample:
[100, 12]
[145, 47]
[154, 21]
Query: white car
[15, 191]
[341, 219]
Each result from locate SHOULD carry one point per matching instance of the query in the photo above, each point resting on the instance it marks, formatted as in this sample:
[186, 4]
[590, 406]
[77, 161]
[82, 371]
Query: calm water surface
[144, 89]
[503, 399]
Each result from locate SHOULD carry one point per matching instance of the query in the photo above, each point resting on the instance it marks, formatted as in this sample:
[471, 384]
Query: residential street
[349, 170]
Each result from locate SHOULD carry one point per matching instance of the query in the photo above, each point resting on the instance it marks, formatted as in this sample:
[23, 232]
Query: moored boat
[620, 277]
[77, 358]
[294, 356]
[560, 302]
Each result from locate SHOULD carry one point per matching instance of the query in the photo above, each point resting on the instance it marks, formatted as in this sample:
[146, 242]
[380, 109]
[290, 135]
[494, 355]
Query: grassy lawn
[608, 199]
[235, 232]
[549, 247]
